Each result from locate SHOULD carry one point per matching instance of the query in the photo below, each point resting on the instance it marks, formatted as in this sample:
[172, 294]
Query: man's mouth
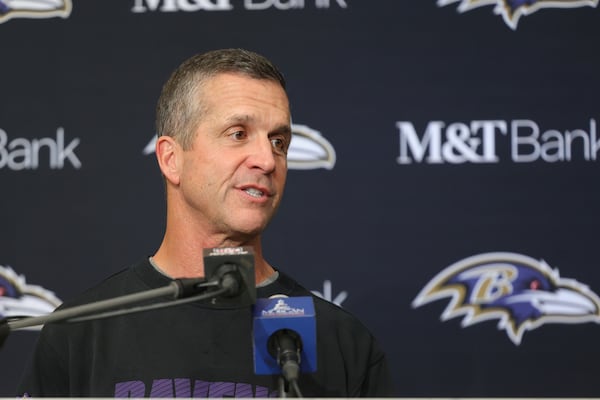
[254, 192]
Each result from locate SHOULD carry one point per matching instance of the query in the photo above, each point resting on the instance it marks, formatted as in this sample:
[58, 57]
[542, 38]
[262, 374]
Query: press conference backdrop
[443, 181]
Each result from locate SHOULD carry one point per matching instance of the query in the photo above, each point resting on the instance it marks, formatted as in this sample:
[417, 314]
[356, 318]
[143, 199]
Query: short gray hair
[180, 107]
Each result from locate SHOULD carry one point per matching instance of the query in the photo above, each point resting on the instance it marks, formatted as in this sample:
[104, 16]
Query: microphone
[285, 336]
[230, 269]
[233, 269]
[285, 346]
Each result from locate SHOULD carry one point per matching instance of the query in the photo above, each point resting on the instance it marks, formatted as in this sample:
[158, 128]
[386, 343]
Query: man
[223, 122]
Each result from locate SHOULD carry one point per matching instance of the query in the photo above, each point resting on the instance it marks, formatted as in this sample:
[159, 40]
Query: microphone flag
[291, 313]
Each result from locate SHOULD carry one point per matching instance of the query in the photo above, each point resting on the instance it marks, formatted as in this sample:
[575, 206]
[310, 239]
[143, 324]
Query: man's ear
[168, 154]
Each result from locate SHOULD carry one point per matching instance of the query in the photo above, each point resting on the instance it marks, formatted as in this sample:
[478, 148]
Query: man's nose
[262, 155]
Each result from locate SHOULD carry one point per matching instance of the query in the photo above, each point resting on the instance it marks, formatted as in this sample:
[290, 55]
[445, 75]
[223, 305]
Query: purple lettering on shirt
[200, 389]
[183, 388]
[162, 388]
[261, 391]
[243, 390]
[130, 389]
[221, 389]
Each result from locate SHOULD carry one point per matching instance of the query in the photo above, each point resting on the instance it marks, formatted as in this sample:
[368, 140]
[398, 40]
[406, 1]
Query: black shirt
[194, 350]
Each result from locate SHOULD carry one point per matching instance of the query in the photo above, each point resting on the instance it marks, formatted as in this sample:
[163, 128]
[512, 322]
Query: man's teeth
[253, 192]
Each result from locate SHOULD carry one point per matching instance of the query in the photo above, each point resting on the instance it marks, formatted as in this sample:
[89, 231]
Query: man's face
[234, 174]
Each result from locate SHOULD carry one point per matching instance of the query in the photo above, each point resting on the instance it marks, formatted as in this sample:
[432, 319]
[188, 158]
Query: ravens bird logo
[309, 149]
[34, 9]
[18, 299]
[519, 291]
[512, 10]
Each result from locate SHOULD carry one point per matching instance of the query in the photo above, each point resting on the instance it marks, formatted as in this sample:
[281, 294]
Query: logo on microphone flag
[281, 308]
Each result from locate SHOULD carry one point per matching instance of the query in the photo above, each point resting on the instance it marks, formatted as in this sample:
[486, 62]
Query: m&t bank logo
[481, 141]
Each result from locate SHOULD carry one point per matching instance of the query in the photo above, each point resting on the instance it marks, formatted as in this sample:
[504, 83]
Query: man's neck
[179, 258]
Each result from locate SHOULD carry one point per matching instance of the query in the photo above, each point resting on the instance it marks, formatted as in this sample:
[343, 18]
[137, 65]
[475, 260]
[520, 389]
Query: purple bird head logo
[520, 292]
[34, 9]
[20, 299]
[512, 10]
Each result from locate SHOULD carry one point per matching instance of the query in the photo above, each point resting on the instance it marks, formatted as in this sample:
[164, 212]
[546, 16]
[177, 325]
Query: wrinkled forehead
[236, 89]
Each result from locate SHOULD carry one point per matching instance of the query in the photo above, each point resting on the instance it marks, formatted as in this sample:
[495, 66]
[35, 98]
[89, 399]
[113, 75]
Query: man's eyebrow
[282, 130]
[239, 119]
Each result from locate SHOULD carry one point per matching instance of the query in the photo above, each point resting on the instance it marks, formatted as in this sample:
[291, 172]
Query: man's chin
[250, 228]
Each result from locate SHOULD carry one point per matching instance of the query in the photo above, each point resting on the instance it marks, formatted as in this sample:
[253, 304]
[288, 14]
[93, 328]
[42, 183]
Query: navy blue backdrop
[443, 183]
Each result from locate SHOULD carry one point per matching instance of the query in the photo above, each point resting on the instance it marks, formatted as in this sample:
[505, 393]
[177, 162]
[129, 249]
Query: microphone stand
[185, 290]
[293, 390]
[285, 345]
